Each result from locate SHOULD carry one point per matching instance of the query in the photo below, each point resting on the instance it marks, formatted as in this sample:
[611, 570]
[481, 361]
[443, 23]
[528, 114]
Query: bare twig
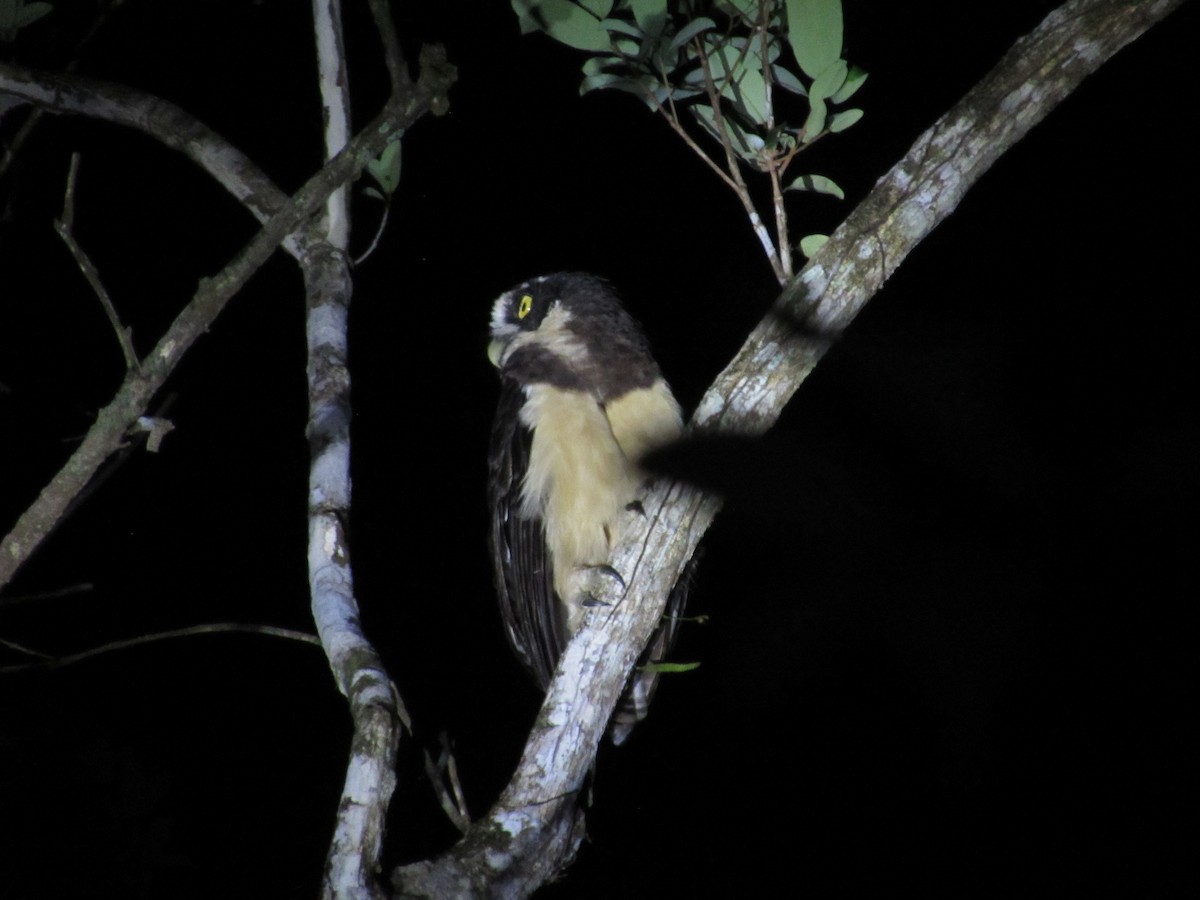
[13, 599]
[781, 222]
[770, 158]
[365, 255]
[671, 114]
[64, 227]
[27, 651]
[453, 804]
[46, 661]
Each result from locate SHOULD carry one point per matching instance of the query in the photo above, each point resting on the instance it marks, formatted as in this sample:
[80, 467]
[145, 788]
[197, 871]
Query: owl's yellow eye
[524, 306]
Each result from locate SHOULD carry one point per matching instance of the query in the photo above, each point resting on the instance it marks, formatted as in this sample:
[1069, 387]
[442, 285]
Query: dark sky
[946, 598]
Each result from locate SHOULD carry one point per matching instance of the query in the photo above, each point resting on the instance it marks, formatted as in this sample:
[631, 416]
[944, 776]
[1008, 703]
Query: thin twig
[460, 801]
[63, 227]
[770, 157]
[781, 222]
[20, 648]
[56, 662]
[378, 234]
[742, 191]
[452, 801]
[12, 600]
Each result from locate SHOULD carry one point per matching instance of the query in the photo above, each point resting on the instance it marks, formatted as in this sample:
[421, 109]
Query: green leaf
[604, 80]
[721, 56]
[815, 123]
[598, 8]
[741, 81]
[669, 668]
[811, 244]
[815, 33]
[645, 87]
[572, 25]
[691, 29]
[371, 192]
[704, 115]
[854, 80]
[594, 65]
[685, 93]
[843, 120]
[661, 93]
[526, 17]
[745, 144]
[830, 81]
[651, 15]
[788, 81]
[750, 92]
[818, 184]
[386, 169]
[665, 57]
[623, 27]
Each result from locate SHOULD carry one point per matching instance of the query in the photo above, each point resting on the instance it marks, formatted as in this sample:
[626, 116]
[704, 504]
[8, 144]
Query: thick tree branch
[352, 864]
[375, 706]
[139, 387]
[534, 829]
[1037, 73]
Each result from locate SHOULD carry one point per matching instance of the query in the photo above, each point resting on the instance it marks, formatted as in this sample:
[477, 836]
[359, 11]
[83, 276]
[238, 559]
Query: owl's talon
[611, 573]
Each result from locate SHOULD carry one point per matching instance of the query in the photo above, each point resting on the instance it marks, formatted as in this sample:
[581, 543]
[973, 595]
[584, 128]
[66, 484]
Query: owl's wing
[529, 606]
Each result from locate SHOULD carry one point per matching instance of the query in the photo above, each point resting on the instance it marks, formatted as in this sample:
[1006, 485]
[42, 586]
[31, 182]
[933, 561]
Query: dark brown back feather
[529, 606]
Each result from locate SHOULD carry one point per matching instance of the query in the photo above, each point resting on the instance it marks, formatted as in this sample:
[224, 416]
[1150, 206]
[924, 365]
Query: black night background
[947, 599]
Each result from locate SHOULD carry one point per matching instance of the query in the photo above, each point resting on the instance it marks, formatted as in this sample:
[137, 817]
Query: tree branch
[334, 82]
[377, 711]
[167, 123]
[534, 829]
[65, 229]
[46, 661]
[375, 705]
[138, 388]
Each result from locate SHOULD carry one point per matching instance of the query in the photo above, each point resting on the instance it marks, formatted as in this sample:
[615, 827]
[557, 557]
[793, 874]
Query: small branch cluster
[732, 68]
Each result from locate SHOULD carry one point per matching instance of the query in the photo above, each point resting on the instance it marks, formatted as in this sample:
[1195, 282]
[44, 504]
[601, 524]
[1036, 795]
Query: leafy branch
[733, 69]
